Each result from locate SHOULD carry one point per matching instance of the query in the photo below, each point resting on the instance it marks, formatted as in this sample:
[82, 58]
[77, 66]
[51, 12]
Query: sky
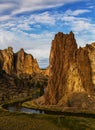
[32, 24]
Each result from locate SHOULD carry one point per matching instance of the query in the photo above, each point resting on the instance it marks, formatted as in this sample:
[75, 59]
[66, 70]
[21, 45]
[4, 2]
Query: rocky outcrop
[7, 60]
[20, 76]
[8, 89]
[15, 88]
[91, 54]
[71, 70]
[45, 71]
[25, 63]
[18, 63]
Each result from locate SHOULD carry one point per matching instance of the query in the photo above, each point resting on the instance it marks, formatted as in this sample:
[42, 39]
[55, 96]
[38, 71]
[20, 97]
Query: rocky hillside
[14, 88]
[72, 73]
[18, 63]
[20, 76]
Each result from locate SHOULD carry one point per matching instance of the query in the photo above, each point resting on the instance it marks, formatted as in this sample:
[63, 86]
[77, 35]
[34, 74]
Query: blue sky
[32, 24]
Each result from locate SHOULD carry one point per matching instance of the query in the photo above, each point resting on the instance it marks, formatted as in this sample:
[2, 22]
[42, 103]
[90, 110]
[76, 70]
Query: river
[17, 107]
[23, 109]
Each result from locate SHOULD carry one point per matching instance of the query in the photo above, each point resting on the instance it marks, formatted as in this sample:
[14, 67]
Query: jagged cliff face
[71, 69]
[25, 63]
[20, 76]
[91, 55]
[18, 63]
[7, 59]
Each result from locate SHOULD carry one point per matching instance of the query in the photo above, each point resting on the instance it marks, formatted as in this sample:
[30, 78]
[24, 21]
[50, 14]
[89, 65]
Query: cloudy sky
[32, 24]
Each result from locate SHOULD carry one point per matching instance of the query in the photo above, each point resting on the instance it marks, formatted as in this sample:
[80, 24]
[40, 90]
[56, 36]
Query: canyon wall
[18, 63]
[20, 76]
[72, 70]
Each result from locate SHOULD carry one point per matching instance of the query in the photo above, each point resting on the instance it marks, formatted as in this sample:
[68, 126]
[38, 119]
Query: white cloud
[91, 7]
[39, 43]
[25, 23]
[23, 26]
[4, 18]
[76, 12]
[43, 36]
[5, 6]
[29, 5]
[6, 39]
[85, 37]
[21, 6]
[44, 18]
[78, 23]
[40, 53]
[81, 26]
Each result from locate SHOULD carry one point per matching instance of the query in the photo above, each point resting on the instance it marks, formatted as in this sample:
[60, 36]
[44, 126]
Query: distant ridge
[18, 63]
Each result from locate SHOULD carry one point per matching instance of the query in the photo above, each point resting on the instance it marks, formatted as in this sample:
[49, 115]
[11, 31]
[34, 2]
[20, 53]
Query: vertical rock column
[70, 69]
[61, 56]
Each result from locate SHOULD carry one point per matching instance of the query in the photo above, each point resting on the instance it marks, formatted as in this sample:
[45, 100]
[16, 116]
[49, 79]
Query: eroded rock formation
[72, 71]
[20, 76]
[7, 60]
[25, 63]
[18, 63]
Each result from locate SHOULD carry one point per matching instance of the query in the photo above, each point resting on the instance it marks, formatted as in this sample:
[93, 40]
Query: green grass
[21, 121]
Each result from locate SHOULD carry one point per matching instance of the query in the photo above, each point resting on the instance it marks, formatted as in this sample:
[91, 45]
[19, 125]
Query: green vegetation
[21, 121]
[13, 87]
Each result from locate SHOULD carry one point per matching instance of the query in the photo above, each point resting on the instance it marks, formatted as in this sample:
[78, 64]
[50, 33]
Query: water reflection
[24, 109]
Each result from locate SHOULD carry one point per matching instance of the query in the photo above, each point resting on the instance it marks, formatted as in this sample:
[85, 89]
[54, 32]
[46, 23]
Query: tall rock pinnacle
[70, 69]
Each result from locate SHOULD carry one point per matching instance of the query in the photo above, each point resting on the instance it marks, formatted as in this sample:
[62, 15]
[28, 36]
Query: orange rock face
[18, 63]
[70, 69]
[7, 60]
[25, 63]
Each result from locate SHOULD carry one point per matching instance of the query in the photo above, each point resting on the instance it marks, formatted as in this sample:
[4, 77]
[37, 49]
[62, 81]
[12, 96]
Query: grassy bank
[58, 111]
[19, 100]
[21, 121]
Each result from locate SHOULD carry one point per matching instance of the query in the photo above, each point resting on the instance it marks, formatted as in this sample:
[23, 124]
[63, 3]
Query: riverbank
[68, 121]
[54, 110]
[22, 106]
[17, 101]
[17, 121]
